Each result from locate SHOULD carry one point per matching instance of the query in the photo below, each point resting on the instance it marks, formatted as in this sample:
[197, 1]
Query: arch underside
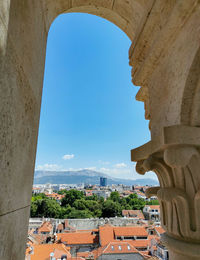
[190, 111]
[128, 15]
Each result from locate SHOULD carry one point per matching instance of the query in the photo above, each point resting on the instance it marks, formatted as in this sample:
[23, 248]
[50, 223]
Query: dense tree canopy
[71, 196]
[76, 205]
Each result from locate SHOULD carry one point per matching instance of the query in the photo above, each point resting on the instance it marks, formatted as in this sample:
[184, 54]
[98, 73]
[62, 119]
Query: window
[112, 247]
[129, 248]
[129, 238]
[120, 248]
[142, 248]
[141, 237]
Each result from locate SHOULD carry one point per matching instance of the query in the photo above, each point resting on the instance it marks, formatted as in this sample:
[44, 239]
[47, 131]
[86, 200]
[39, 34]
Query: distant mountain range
[84, 176]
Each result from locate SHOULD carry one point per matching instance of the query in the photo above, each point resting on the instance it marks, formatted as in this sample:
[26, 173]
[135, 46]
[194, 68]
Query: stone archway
[24, 28]
[161, 56]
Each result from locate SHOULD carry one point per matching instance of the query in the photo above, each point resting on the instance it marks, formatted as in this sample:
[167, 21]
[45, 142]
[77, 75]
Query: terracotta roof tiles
[45, 227]
[130, 231]
[106, 234]
[42, 252]
[160, 230]
[76, 238]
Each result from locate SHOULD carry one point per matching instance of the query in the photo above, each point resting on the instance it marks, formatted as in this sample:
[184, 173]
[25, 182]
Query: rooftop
[78, 238]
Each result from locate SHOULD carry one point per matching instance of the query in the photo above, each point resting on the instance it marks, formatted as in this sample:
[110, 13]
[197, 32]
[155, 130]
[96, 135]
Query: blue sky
[89, 115]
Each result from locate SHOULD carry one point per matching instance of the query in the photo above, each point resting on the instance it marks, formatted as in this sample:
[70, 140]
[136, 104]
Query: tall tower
[103, 181]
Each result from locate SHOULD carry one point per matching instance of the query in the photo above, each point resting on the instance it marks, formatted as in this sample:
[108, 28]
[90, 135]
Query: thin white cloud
[68, 156]
[120, 165]
[49, 167]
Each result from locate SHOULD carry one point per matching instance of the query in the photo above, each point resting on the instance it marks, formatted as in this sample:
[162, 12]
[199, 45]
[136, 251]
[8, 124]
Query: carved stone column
[175, 157]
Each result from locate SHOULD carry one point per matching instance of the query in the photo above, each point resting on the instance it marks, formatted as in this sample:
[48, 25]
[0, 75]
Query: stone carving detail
[178, 171]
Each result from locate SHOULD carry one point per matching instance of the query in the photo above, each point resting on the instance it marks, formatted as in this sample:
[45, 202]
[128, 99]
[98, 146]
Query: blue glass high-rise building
[103, 181]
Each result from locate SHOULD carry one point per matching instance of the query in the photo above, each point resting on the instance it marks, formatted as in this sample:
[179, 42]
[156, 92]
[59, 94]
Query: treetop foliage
[76, 205]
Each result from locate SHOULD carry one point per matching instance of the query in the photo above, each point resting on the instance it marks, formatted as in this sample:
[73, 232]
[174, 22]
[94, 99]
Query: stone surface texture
[165, 60]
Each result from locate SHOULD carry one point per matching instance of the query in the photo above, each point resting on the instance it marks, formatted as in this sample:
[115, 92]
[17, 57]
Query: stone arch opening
[128, 150]
[24, 34]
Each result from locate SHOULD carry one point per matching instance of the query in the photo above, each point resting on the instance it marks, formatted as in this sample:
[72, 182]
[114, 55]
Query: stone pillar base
[180, 250]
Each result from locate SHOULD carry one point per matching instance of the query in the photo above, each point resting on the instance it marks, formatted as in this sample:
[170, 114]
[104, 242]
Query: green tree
[51, 208]
[71, 196]
[45, 207]
[111, 209]
[93, 197]
[97, 213]
[114, 196]
[38, 196]
[92, 205]
[79, 214]
[152, 202]
[127, 207]
[34, 209]
[101, 200]
[61, 192]
[137, 203]
[80, 204]
[123, 202]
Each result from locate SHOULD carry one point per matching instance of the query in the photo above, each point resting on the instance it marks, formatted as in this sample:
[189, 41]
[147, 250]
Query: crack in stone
[1, 215]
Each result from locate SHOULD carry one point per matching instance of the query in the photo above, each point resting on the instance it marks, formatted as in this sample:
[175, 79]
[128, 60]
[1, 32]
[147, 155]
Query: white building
[152, 212]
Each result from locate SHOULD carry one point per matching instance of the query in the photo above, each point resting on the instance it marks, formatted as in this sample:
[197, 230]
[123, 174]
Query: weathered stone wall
[93, 223]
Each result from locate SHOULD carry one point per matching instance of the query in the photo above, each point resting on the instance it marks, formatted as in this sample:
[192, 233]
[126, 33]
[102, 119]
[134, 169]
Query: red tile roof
[130, 231]
[113, 248]
[154, 206]
[133, 213]
[109, 233]
[140, 243]
[45, 227]
[145, 254]
[106, 234]
[119, 248]
[42, 252]
[160, 230]
[76, 238]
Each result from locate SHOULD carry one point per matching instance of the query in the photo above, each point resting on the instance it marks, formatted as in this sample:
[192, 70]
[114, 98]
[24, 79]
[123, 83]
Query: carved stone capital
[175, 159]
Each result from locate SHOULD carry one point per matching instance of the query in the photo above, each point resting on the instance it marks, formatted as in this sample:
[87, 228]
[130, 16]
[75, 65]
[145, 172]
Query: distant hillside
[84, 176]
